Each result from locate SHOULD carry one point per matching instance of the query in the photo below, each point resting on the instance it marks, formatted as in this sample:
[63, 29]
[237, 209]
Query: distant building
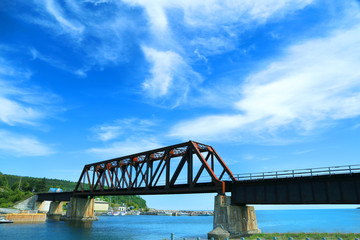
[55, 190]
[122, 208]
[101, 206]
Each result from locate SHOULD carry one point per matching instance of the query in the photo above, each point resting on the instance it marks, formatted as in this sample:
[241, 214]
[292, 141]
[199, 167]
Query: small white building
[101, 206]
[122, 208]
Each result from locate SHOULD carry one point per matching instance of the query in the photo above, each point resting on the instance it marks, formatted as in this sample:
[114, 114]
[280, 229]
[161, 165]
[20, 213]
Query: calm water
[160, 227]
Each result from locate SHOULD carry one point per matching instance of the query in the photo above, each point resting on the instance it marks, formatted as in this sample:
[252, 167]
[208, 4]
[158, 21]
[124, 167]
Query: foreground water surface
[160, 227]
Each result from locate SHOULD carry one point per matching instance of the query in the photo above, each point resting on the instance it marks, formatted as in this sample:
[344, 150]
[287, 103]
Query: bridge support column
[56, 210]
[80, 209]
[234, 221]
[42, 206]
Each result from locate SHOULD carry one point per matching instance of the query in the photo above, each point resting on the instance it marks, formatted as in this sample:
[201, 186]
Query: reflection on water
[78, 224]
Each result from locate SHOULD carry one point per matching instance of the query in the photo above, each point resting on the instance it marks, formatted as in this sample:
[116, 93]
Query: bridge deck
[322, 189]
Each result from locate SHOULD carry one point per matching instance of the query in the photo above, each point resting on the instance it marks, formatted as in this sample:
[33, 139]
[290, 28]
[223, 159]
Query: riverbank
[303, 236]
[295, 236]
[26, 217]
[160, 212]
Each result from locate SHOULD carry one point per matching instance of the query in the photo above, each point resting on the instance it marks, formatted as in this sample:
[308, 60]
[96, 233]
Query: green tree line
[9, 195]
[129, 201]
[63, 184]
[15, 188]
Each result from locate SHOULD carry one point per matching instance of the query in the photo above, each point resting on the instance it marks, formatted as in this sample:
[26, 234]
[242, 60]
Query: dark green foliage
[135, 201]
[3, 181]
[8, 197]
[18, 192]
[40, 184]
[31, 185]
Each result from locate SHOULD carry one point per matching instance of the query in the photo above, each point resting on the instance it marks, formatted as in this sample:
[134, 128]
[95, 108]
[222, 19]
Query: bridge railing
[347, 169]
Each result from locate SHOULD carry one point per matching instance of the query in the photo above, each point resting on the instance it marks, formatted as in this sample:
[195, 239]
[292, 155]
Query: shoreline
[302, 235]
[162, 212]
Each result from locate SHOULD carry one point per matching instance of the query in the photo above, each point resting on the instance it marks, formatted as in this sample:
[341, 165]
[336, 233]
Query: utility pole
[19, 184]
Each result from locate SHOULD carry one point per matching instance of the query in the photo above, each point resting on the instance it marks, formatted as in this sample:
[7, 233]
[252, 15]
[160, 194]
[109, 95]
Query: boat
[122, 213]
[6, 221]
[116, 213]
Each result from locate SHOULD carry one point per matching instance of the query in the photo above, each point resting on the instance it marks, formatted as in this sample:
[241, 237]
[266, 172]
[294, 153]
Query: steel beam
[106, 174]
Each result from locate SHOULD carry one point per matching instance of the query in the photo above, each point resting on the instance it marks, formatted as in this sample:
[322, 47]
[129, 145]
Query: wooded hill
[49, 182]
[15, 188]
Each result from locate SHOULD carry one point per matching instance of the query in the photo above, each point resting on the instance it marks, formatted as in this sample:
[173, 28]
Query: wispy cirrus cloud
[215, 27]
[122, 127]
[170, 76]
[128, 146]
[314, 83]
[36, 55]
[20, 145]
[125, 136]
[22, 105]
[14, 113]
[66, 24]
[96, 31]
[172, 35]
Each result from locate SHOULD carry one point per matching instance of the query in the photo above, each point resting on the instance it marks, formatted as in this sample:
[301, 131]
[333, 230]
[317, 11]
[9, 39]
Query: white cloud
[215, 28]
[97, 30]
[54, 62]
[217, 12]
[12, 113]
[316, 82]
[217, 24]
[125, 136]
[164, 68]
[64, 22]
[129, 127]
[103, 30]
[20, 104]
[19, 145]
[156, 13]
[232, 11]
[171, 77]
[126, 147]
[106, 133]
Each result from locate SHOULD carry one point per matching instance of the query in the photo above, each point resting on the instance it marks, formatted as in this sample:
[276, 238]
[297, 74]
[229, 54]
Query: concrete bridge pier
[232, 221]
[80, 209]
[42, 206]
[55, 210]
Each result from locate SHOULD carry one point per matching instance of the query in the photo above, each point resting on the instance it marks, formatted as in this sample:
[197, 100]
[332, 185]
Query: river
[160, 227]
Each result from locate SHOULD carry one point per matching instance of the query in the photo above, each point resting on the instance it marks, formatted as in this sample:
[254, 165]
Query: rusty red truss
[183, 168]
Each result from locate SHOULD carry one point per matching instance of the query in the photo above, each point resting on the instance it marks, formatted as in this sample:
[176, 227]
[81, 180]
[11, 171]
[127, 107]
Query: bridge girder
[150, 172]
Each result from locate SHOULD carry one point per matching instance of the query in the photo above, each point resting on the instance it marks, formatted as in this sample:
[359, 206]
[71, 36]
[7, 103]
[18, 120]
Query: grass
[303, 236]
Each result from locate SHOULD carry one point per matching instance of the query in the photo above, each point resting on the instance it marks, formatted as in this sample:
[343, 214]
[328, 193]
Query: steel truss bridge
[192, 167]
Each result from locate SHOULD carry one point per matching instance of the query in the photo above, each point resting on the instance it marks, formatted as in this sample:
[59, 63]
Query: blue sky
[271, 85]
